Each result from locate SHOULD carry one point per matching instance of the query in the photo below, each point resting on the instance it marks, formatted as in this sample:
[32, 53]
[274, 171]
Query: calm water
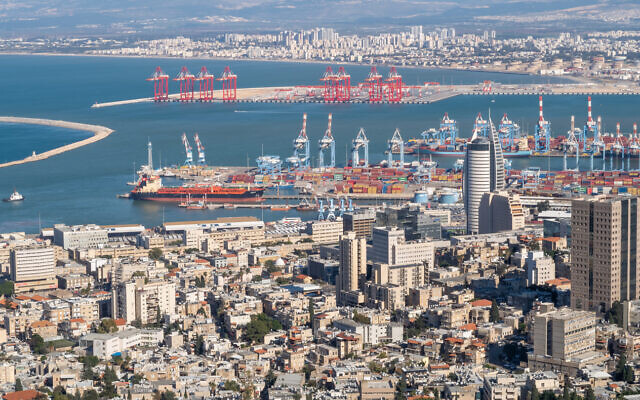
[18, 141]
[81, 186]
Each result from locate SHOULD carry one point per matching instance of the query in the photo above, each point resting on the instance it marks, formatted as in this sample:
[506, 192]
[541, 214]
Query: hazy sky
[146, 17]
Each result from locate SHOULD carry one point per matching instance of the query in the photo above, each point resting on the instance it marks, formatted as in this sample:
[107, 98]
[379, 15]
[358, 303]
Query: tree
[199, 347]
[37, 344]
[615, 314]
[535, 395]
[311, 311]
[260, 325]
[543, 206]
[155, 254]
[494, 314]
[18, 385]
[401, 388]
[6, 288]
[623, 372]
[168, 395]
[589, 395]
[231, 385]
[107, 325]
[308, 369]
[360, 318]
[90, 395]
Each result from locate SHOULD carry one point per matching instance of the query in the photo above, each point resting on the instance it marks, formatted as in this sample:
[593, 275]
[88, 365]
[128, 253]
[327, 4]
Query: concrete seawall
[99, 133]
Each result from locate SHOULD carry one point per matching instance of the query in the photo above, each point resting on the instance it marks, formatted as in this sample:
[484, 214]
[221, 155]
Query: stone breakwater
[99, 133]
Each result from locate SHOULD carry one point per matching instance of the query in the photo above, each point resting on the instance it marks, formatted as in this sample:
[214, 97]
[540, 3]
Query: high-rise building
[79, 236]
[500, 211]
[33, 268]
[483, 172]
[361, 222]
[604, 252]
[353, 269]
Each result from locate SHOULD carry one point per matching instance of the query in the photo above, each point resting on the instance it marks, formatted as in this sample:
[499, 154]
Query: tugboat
[15, 196]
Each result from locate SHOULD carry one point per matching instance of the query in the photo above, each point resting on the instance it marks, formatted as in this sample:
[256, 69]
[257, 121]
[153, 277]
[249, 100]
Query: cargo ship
[445, 142]
[150, 188]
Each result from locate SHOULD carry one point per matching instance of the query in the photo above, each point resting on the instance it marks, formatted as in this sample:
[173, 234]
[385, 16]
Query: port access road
[99, 133]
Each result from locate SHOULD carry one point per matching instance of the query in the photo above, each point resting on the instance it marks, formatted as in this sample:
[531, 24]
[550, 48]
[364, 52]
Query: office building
[361, 222]
[389, 247]
[33, 268]
[500, 211]
[79, 236]
[483, 172]
[417, 221]
[604, 247]
[353, 269]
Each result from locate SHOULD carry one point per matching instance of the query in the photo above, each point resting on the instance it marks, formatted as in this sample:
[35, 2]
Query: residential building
[389, 247]
[361, 222]
[325, 232]
[33, 268]
[500, 211]
[353, 268]
[540, 268]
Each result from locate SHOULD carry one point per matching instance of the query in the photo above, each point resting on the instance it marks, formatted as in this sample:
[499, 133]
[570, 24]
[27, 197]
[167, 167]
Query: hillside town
[373, 304]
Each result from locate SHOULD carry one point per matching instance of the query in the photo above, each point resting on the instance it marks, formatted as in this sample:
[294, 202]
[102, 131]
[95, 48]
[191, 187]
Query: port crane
[229, 85]
[343, 85]
[329, 80]
[328, 142]
[205, 81]
[200, 148]
[395, 142]
[360, 141]
[186, 80]
[376, 87]
[543, 133]
[618, 147]
[160, 85]
[570, 144]
[448, 130]
[480, 126]
[394, 86]
[188, 150]
[301, 144]
[508, 132]
[634, 144]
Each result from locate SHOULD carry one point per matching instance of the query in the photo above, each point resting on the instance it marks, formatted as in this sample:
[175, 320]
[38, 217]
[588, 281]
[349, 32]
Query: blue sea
[80, 186]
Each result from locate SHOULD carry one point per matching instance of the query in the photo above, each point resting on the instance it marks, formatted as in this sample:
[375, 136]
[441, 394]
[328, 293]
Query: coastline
[291, 61]
[99, 133]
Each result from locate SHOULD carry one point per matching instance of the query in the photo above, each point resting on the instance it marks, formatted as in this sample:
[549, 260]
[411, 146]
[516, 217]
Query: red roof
[120, 321]
[22, 395]
[469, 327]
[481, 303]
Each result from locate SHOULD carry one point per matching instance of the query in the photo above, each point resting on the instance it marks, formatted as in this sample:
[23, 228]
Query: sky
[146, 18]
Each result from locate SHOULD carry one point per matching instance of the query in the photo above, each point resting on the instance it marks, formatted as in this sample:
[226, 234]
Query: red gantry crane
[394, 86]
[160, 85]
[330, 80]
[186, 80]
[205, 82]
[343, 85]
[376, 87]
[229, 85]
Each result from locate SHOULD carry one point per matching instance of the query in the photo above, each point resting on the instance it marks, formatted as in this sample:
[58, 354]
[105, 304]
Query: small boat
[280, 208]
[15, 196]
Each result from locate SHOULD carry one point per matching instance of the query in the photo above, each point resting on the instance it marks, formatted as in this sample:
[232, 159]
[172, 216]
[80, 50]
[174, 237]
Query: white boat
[15, 196]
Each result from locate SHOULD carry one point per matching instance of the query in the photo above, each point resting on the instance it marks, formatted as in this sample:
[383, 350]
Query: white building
[540, 269]
[104, 345]
[79, 236]
[389, 247]
[33, 268]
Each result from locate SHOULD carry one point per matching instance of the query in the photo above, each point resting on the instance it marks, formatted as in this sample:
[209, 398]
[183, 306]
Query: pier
[99, 133]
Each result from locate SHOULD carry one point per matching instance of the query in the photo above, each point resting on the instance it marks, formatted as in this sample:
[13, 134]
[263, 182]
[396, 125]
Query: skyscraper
[353, 269]
[483, 172]
[604, 246]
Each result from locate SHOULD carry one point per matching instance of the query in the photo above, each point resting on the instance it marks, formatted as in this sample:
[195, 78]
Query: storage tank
[421, 197]
[449, 197]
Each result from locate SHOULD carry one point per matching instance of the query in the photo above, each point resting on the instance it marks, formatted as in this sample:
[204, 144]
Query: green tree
[199, 347]
[494, 314]
[615, 314]
[308, 369]
[107, 325]
[589, 394]
[565, 392]
[260, 325]
[18, 385]
[37, 344]
[535, 395]
[311, 311]
[401, 388]
[155, 254]
[168, 395]
[231, 385]
[543, 206]
[623, 372]
[90, 395]
[360, 318]
[6, 288]
[109, 375]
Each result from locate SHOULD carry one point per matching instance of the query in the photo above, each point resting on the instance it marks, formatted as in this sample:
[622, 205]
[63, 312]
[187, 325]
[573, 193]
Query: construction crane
[394, 86]
[301, 145]
[374, 82]
[328, 142]
[229, 85]
[543, 133]
[160, 85]
[205, 83]
[396, 142]
[360, 141]
[200, 148]
[187, 149]
[186, 80]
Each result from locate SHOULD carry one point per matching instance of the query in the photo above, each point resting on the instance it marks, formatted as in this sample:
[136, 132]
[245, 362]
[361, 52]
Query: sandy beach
[99, 133]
